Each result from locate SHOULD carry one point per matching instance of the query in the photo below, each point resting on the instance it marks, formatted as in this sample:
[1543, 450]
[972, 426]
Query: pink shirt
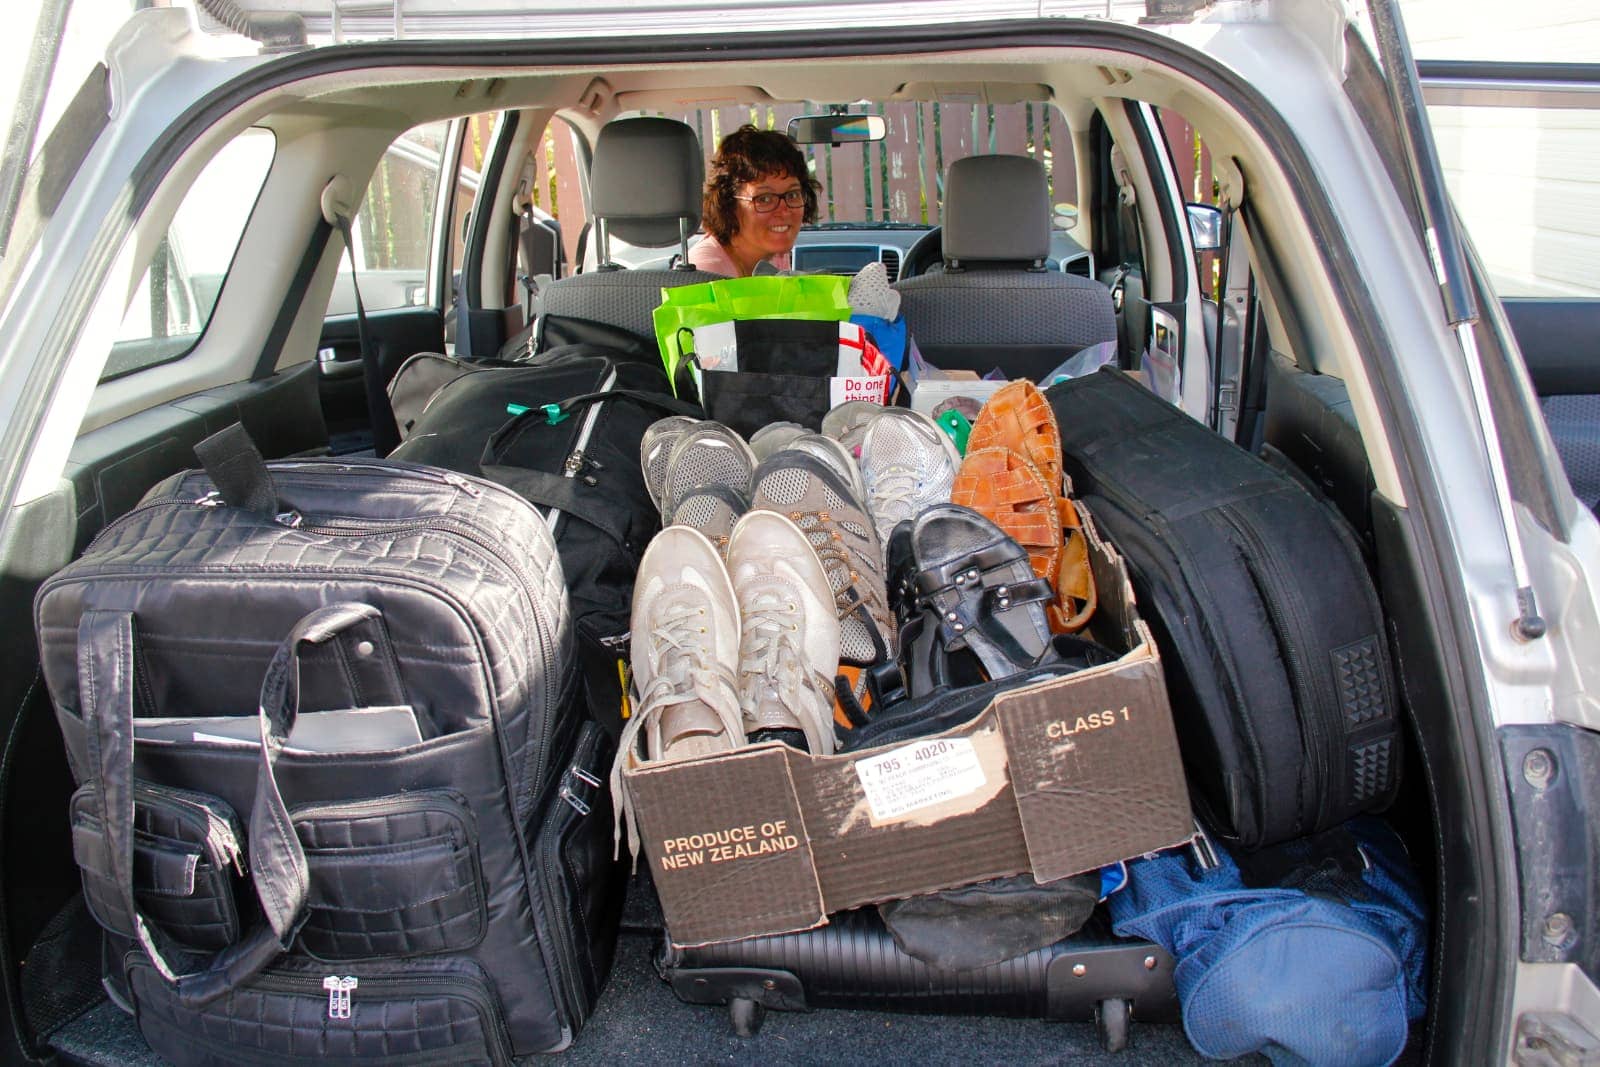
[710, 256]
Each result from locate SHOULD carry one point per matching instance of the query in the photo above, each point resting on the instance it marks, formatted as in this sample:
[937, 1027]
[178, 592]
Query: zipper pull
[577, 463]
[339, 994]
[570, 795]
[291, 518]
[452, 478]
[212, 499]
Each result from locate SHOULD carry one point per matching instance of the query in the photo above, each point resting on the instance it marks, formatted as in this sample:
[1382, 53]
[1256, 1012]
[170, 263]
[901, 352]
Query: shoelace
[848, 599]
[767, 650]
[686, 673]
[895, 492]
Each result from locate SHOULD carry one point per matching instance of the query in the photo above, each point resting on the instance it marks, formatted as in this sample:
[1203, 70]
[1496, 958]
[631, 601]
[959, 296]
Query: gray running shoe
[788, 634]
[774, 437]
[908, 464]
[707, 454]
[834, 455]
[655, 447]
[711, 509]
[684, 652]
[839, 528]
[848, 423]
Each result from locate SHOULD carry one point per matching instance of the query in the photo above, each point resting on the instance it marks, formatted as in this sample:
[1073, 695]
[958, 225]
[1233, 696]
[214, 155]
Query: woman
[758, 194]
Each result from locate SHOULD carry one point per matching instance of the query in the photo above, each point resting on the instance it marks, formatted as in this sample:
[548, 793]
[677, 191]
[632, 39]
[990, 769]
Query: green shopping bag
[765, 296]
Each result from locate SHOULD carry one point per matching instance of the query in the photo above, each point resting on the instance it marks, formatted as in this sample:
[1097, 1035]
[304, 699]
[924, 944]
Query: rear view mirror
[837, 129]
[1205, 226]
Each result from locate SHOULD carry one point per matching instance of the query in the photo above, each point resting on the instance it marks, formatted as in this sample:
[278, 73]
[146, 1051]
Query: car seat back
[645, 187]
[996, 303]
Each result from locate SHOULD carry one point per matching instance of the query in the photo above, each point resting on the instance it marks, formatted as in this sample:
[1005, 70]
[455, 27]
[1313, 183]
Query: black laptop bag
[445, 897]
[1269, 626]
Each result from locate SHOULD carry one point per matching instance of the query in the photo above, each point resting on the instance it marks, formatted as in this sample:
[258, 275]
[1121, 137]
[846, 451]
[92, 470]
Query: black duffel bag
[562, 430]
[1269, 626]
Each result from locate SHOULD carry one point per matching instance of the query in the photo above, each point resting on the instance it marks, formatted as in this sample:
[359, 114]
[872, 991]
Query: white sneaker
[684, 650]
[834, 455]
[773, 437]
[789, 633]
[655, 448]
[908, 463]
[708, 453]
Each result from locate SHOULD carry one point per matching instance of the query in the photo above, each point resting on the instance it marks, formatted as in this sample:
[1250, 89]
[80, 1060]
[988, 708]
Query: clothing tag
[716, 347]
[919, 775]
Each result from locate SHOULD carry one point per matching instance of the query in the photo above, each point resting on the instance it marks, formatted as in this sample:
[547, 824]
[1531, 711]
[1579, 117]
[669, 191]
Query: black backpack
[563, 431]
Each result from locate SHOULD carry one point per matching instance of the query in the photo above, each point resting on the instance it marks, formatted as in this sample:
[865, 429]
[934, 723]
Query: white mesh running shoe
[788, 634]
[834, 455]
[707, 454]
[655, 448]
[774, 437]
[684, 652]
[908, 464]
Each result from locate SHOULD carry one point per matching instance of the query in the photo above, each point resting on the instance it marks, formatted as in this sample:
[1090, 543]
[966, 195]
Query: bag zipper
[447, 801]
[551, 866]
[576, 460]
[1294, 635]
[217, 821]
[459, 986]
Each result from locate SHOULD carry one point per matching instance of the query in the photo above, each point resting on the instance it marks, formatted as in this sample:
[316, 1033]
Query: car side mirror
[1205, 226]
[1064, 216]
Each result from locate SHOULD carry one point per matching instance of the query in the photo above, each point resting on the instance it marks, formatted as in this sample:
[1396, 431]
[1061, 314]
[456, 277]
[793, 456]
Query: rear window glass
[900, 180]
[174, 300]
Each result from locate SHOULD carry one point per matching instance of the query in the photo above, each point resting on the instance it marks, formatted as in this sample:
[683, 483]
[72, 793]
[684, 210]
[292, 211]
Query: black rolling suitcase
[416, 866]
[853, 962]
[1269, 626]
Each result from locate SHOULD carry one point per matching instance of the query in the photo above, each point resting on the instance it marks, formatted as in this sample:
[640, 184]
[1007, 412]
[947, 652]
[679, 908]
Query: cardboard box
[1054, 779]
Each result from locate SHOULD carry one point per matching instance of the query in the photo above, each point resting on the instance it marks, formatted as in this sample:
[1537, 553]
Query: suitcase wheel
[1111, 1019]
[746, 1016]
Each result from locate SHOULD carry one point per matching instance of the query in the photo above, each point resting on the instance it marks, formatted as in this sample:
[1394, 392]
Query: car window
[1526, 182]
[394, 232]
[900, 180]
[394, 226]
[554, 187]
[1191, 162]
[174, 299]
[475, 137]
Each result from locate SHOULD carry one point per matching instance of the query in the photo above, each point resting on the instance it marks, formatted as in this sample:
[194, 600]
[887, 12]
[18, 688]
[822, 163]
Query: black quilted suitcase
[853, 962]
[443, 897]
[1269, 626]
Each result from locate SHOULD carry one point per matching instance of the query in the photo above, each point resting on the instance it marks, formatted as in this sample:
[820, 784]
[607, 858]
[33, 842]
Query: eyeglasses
[766, 202]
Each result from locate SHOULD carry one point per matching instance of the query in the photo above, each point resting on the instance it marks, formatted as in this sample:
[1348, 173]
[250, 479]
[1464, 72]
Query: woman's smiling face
[774, 232]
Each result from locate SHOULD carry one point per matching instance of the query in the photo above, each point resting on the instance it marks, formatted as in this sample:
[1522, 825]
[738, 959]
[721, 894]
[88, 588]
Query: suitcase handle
[106, 663]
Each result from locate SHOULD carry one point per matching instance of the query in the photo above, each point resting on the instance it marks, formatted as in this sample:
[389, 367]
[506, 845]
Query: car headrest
[647, 174]
[996, 208]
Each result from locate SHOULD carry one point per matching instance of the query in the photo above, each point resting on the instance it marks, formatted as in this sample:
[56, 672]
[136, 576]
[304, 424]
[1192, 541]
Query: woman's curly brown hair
[748, 155]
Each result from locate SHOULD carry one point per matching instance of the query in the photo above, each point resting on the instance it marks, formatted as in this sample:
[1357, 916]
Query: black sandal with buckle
[971, 587]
